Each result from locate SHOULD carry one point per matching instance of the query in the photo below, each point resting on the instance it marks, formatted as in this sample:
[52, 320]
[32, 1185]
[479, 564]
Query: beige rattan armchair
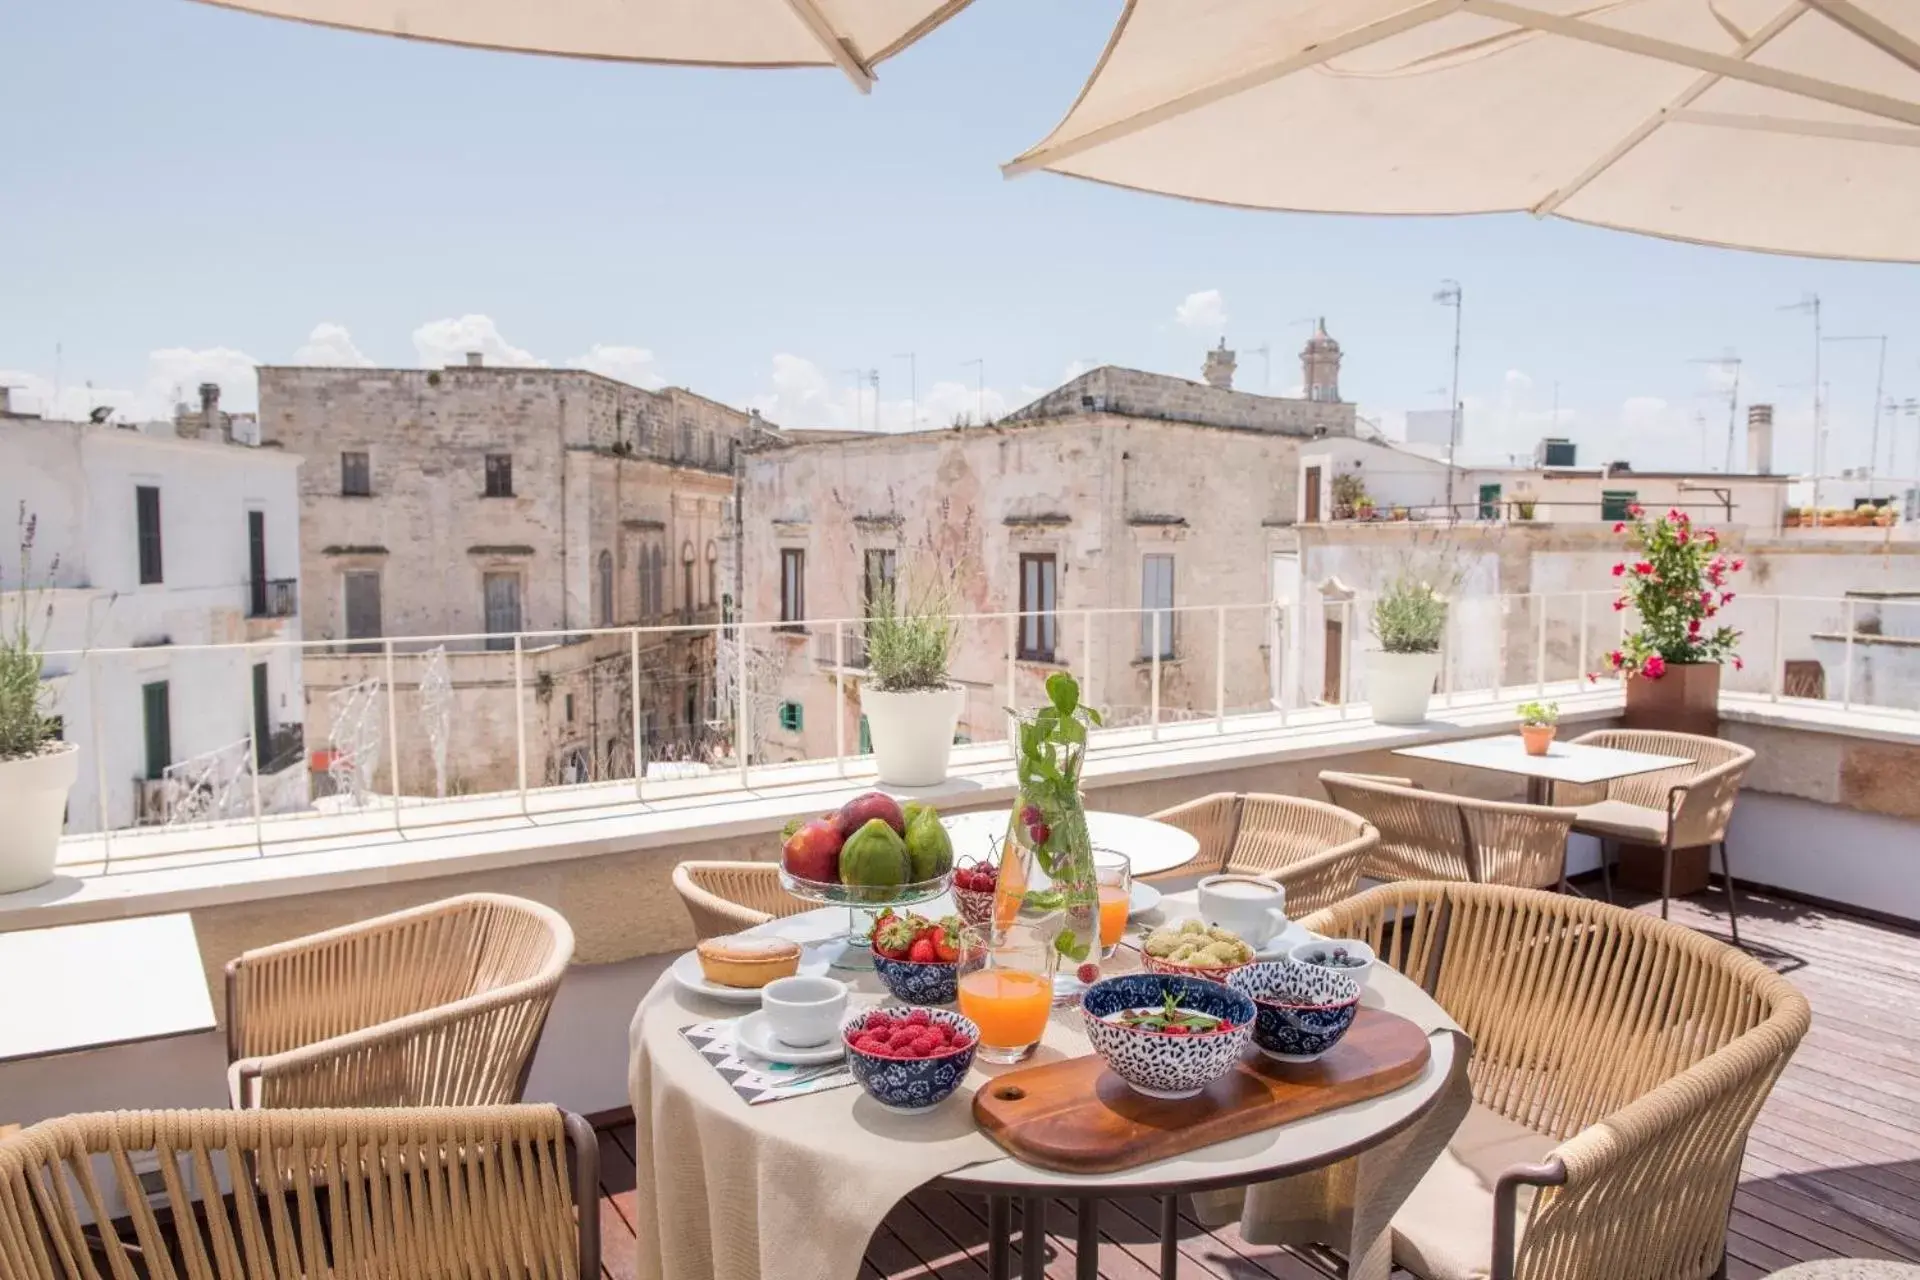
[440, 1005]
[1433, 835]
[726, 897]
[1618, 1063]
[1679, 808]
[429, 1194]
[1313, 848]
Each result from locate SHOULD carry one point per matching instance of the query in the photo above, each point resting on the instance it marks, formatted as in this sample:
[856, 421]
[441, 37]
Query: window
[793, 584]
[156, 711]
[362, 590]
[1614, 503]
[1311, 487]
[656, 570]
[879, 578]
[356, 476]
[713, 574]
[686, 441]
[500, 593]
[1039, 596]
[1489, 502]
[257, 564]
[262, 719]
[790, 717]
[1156, 602]
[866, 737]
[646, 583]
[569, 707]
[606, 588]
[499, 475]
[146, 501]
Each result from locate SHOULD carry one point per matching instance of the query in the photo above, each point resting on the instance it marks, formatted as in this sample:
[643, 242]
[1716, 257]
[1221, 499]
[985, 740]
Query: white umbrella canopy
[1790, 126]
[852, 35]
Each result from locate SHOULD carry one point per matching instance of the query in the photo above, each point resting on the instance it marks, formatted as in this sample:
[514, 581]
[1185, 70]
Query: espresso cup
[804, 1012]
[1255, 909]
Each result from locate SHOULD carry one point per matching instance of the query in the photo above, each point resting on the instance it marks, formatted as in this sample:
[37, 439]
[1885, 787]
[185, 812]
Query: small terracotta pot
[1538, 738]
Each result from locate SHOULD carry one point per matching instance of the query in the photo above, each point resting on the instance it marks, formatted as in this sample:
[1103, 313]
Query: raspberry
[929, 1043]
[1089, 973]
[902, 1037]
[942, 1030]
[919, 1018]
[879, 1022]
[959, 1042]
[869, 1044]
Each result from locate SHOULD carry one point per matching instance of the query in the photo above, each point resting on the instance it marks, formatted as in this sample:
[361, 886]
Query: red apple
[860, 810]
[813, 852]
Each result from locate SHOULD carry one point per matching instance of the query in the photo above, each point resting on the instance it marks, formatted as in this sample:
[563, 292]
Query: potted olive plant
[912, 708]
[1537, 722]
[1409, 619]
[36, 768]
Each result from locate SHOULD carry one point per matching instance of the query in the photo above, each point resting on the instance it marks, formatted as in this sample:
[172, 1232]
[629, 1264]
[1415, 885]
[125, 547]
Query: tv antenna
[1727, 361]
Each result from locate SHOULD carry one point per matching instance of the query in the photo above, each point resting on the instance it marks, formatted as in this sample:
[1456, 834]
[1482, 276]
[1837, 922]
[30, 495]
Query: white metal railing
[753, 686]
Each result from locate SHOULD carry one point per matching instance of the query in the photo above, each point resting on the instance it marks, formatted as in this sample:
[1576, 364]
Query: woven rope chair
[1431, 835]
[726, 897]
[1678, 808]
[1618, 1063]
[433, 1193]
[440, 1005]
[1313, 848]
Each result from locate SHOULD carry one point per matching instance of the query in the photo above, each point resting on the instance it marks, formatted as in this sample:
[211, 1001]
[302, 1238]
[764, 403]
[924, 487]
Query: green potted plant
[1537, 722]
[911, 705]
[1409, 619]
[36, 768]
[1674, 578]
[1349, 494]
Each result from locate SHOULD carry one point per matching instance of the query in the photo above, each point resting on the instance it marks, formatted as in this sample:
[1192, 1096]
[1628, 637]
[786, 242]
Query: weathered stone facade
[612, 510]
[1133, 393]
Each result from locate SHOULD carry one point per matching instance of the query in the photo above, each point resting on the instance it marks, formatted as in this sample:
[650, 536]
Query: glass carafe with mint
[1047, 876]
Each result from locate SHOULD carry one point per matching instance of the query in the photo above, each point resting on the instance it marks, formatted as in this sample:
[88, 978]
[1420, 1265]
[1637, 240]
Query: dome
[1321, 340]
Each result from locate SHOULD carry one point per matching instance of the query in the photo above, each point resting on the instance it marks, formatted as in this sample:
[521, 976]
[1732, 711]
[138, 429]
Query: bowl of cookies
[1195, 949]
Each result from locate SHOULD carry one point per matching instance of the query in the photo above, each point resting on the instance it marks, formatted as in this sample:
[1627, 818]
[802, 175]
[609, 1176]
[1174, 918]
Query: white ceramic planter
[912, 733]
[1399, 684]
[33, 798]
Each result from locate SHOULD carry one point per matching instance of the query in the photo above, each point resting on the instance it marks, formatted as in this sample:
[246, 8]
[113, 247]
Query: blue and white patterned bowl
[1156, 1063]
[1304, 1009]
[919, 982]
[910, 1085]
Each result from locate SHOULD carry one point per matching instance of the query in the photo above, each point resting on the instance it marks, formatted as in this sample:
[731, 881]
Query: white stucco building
[150, 541]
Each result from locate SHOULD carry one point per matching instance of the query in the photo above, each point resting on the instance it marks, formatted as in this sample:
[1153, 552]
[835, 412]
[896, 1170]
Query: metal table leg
[1086, 1246]
[1170, 1238]
[999, 1238]
[1033, 1238]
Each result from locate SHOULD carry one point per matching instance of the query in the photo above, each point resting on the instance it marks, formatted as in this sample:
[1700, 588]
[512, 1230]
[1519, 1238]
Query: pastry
[737, 961]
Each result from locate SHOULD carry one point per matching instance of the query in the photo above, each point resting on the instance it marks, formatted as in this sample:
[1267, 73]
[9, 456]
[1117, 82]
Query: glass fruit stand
[863, 903]
[889, 856]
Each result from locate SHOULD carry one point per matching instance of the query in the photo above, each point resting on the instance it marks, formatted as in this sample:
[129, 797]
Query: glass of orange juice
[1009, 995]
[1114, 874]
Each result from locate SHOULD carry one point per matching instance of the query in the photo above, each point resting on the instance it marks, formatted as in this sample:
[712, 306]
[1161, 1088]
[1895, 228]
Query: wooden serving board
[1078, 1117]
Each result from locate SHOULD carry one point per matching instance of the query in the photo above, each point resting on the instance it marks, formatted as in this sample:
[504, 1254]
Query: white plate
[754, 1034]
[687, 973]
[1143, 898]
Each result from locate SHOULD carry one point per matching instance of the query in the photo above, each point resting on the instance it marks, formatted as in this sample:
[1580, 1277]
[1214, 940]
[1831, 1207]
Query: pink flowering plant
[1674, 577]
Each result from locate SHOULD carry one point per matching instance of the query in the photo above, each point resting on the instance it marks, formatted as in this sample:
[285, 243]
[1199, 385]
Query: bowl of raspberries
[974, 884]
[909, 1060]
[918, 958]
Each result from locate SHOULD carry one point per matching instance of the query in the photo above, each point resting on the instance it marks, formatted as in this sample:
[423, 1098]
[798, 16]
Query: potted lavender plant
[36, 768]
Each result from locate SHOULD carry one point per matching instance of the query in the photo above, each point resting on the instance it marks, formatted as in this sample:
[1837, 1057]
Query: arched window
[606, 588]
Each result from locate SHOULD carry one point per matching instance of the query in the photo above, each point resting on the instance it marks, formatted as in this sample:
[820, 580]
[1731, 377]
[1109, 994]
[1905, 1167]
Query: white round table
[1150, 847]
[1294, 1148]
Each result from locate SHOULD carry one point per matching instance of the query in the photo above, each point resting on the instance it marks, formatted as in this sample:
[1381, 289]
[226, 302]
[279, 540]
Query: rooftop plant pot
[1686, 699]
[33, 796]
[912, 733]
[1399, 684]
[1537, 737]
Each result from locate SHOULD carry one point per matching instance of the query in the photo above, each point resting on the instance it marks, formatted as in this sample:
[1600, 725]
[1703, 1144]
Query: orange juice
[1010, 1006]
[1114, 902]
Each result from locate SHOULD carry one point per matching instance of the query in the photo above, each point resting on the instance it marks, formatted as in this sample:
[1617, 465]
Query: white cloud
[1517, 380]
[1203, 310]
[804, 397]
[331, 346]
[444, 342]
[632, 365]
[173, 375]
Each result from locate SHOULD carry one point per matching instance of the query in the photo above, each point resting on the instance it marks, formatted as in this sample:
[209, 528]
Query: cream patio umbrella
[852, 35]
[1784, 125]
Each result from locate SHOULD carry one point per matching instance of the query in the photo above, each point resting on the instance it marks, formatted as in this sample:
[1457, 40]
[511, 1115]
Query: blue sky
[188, 188]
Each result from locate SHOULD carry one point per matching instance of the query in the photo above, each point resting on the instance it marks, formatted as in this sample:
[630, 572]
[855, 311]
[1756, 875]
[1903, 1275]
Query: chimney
[475, 359]
[1760, 439]
[6, 402]
[1218, 371]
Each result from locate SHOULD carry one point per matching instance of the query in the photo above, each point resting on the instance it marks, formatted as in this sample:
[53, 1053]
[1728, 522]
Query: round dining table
[846, 1161]
[1150, 847]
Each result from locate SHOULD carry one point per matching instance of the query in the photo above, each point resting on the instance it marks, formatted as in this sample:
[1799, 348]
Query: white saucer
[755, 1035]
[1286, 940]
[1142, 899]
[687, 973]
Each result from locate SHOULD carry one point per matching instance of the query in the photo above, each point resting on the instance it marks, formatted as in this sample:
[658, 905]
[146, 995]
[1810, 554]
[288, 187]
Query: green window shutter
[157, 710]
[866, 738]
[1614, 503]
[790, 717]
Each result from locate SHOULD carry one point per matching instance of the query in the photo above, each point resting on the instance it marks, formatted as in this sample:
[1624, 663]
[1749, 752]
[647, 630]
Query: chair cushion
[1444, 1231]
[1619, 820]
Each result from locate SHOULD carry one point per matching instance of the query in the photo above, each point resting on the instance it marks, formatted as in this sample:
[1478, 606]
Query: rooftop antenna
[1811, 304]
[1727, 361]
[1879, 392]
[1265, 352]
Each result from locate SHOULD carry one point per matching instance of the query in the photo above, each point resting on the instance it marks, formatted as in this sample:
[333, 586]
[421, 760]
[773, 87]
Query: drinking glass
[1114, 874]
[1009, 991]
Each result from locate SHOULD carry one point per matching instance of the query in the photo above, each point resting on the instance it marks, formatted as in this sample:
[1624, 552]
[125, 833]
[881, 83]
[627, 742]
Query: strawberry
[922, 951]
[894, 938]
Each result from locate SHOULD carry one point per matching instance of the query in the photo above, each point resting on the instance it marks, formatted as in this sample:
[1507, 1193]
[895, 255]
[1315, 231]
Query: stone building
[478, 503]
[1119, 491]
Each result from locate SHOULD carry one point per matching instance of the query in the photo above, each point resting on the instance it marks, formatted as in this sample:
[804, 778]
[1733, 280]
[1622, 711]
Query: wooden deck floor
[1832, 1170]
